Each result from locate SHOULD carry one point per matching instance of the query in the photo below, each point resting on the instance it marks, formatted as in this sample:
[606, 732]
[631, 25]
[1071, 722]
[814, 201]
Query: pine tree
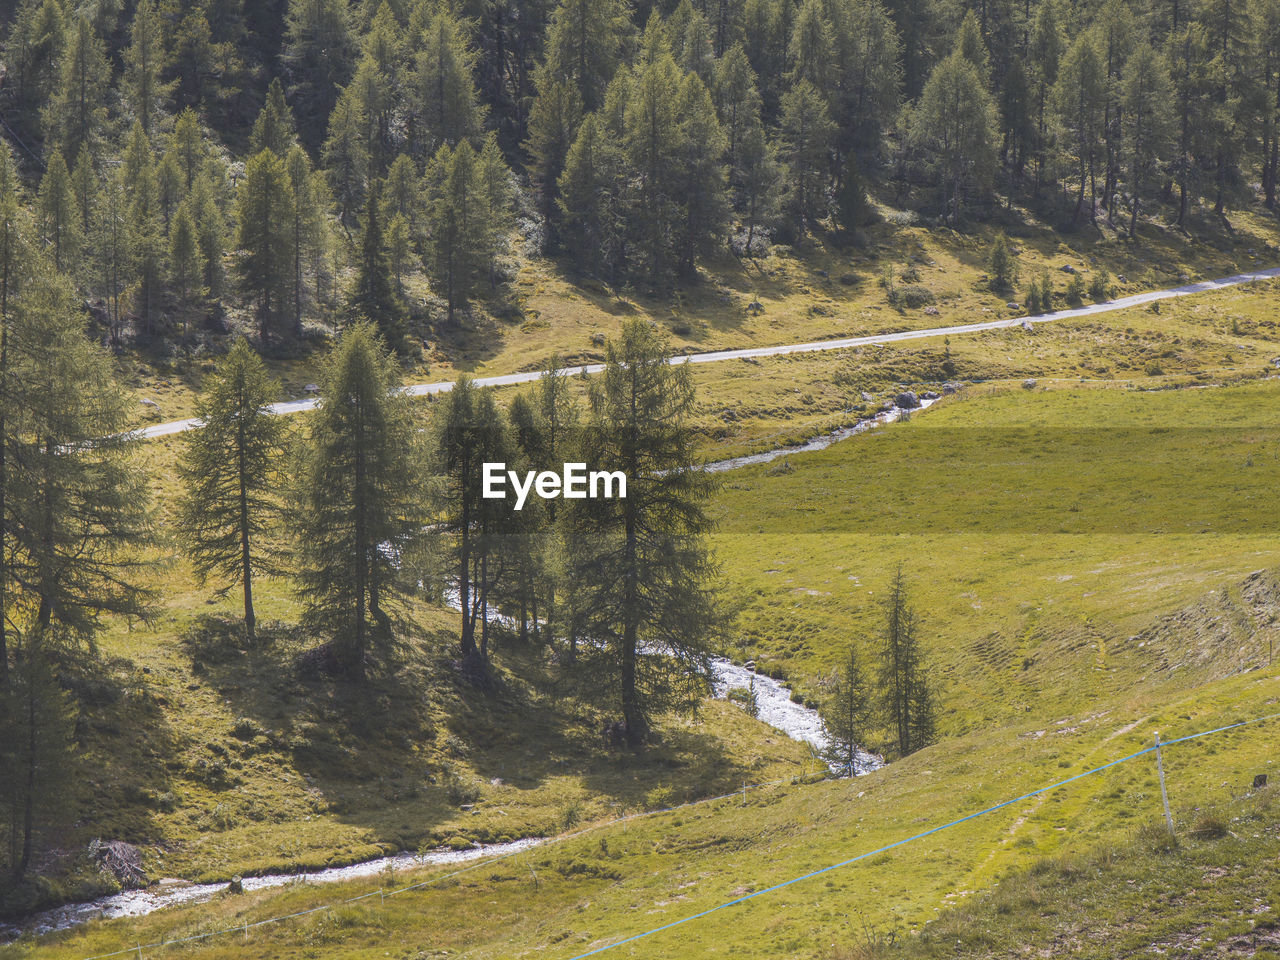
[1147, 102]
[111, 249]
[38, 770]
[1017, 123]
[31, 59]
[401, 192]
[13, 250]
[811, 49]
[852, 209]
[701, 196]
[147, 238]
[346, 155]
[868, 56]
[758, 191]
[584, 45]
[186, 269]
[953, 125]
[146, 62]
[554, 119]
[1079, 98]
[456, 251]
[806, 133]
[358, 504]
[641, 563]
[1045, 54]
[77, 115]
[1002, 265]
[307, 224]
[211, 231]
[274, 128]
[591, 201]
[373, 298]
[56, 206]
[264, 215]
[468, 433]
[846, 715]
[318, 56]
[447, 109]
[905, 696]
[229, 470]
[78, 514]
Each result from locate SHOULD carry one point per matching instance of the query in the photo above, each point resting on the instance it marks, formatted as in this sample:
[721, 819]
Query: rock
[867, 398]
[1122, 279]
[311, 388]
[929, 395]
[148, 402]
[1259, 781]
[907, 400]
[1028, 384]
[1026, 325]
[823, 274]
[932, 311]
[122, 860]
[1013, 305]
[755, 306]
[750, 665]
[1067, 268]
[949, 388]
[236, 885]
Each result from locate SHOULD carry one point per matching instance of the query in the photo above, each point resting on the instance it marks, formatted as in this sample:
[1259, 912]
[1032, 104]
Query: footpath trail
[512, 379]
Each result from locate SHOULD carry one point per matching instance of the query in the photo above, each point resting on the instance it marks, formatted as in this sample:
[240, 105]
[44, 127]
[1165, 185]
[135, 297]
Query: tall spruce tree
[953, 126]
[77, 115]
[905, 695]
[358, 504]
[446, 107]
[264, 236]
[318, 55]
[374, 297]
[646, 609]
[1147, 101]
[230, 472]
[846, 715]
[146, 64]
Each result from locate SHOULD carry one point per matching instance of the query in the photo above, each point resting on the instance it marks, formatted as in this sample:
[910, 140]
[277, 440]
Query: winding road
[512, 379]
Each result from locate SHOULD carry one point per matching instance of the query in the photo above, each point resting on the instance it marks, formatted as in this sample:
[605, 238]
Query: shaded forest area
[300, 161]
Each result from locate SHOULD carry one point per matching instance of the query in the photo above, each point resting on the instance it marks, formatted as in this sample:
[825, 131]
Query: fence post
[1164, 793]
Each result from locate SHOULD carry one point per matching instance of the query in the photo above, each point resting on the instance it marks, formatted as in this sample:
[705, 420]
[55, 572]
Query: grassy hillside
[562, 900]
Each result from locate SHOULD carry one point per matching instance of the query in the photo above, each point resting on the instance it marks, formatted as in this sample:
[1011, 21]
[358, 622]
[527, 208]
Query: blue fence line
[918, 836]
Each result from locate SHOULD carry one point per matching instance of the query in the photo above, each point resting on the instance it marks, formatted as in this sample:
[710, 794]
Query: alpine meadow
[664, 479]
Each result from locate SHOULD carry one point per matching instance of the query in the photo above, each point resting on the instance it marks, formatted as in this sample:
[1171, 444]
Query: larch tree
[373, 296]
[264, 236]
[1079, 98]
[646, 609]
[1147, 101]
[457, 251]
[806, 134]
[274, 128]
[846, 715]
[318, 55]
[146, 64]
[186, 269]
[230, 471]
[358, 504]
[953, 126]
[56, 212]
[77, 115]
[591, 199]
[904, 688]
[446, 107]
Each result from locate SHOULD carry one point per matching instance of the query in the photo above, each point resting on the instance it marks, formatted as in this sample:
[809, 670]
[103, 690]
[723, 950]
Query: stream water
[773, 706]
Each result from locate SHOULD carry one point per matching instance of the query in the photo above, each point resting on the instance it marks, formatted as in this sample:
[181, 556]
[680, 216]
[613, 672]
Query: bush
[912, 296]
[1075, 290]
[1100, 287]
[1003, 265]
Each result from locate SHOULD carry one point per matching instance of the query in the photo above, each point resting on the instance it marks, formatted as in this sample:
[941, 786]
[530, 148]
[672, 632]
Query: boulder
[949, 388]
[907, 400]
[1028, 384]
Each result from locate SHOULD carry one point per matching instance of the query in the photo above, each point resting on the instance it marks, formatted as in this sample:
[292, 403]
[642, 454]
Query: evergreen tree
[77, 115]
[1045, 55]
[307, 224]
[112, 254]
[274, 128]
[229, 472]
[373, 298]
[318, 56]
[346, 155]
[211, 231]
[264, 215]
[1002, 265]
[701, 197]
[758, 190]
[1017, 122]
[146, 62]
[906, 699]
[401, 192]
[553, 123]
[811, 50]
[1147, 103]
[186, 269]
[846, 715]
[358, 504]
[737, 102]
[591, 201]
[469, 432]
[146, 229]
[31, 58]
[645, 605]
[806, 133]
[1080, 103]
[13, 250]
[868, 54]
[446, 108]
[38, 772]
[852, 209]
[78, 510]
[59, 224]
[954, 126]
[457, 235]
[585, 43]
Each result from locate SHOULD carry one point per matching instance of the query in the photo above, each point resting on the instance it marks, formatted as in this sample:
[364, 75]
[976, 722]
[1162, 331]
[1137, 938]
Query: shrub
[912, 296]
[1003, 265]
[1075, 290]
[1100, 286]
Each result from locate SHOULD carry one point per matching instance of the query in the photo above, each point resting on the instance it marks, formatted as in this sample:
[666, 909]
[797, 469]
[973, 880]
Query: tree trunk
[246, 567]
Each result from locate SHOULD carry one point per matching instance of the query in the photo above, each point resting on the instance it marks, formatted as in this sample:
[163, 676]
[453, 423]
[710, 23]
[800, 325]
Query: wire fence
[383, 894]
